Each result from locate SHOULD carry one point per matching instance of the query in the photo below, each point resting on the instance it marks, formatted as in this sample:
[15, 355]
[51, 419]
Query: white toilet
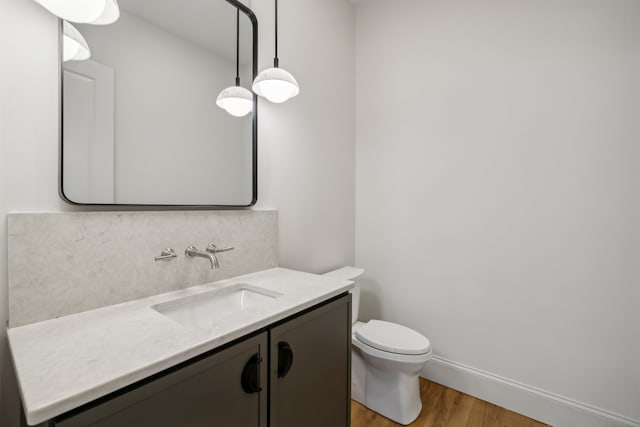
[386, 359]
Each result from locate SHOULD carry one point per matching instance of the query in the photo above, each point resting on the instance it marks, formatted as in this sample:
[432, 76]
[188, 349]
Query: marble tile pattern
[66, 362]
[65, 263]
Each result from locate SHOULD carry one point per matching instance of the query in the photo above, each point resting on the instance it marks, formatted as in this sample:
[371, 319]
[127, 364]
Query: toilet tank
[354, 274]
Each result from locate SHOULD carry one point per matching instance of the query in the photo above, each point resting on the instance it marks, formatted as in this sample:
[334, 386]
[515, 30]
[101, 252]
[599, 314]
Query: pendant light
[236, 100]
[74, 46]
[97, 12]
[276, 84]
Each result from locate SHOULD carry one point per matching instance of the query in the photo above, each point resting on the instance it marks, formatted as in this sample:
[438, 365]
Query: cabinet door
[219, 390]
[310, 368]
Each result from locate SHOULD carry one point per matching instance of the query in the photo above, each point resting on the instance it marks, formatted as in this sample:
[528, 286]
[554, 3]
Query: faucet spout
[213, 250]
[192, 251]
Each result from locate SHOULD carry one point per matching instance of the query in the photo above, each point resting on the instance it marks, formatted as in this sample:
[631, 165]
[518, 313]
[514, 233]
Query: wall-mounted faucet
[192, 251]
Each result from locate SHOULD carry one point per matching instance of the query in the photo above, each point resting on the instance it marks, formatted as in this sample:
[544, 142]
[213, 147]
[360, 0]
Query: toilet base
[393, 394]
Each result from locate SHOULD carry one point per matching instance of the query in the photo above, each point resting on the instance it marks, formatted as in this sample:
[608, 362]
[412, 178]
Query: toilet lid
[392, 338]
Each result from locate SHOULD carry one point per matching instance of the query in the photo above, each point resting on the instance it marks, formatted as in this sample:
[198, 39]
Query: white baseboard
[538, 404]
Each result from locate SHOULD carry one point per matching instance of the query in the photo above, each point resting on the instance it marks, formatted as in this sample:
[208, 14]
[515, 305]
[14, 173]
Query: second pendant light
[276, 84]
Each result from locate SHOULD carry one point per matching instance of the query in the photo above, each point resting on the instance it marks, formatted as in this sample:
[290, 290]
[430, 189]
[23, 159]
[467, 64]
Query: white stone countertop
[66, 362]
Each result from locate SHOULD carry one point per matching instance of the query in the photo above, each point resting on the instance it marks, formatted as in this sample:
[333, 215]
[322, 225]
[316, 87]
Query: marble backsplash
[65, 263]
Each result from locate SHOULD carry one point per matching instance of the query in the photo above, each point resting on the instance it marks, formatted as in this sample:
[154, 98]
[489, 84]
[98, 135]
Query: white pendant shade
[74, 46]
[276, 84]
[100, 12]
[236, 100]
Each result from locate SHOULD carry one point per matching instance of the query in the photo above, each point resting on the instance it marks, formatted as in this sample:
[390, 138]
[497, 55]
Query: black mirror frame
[254, 170]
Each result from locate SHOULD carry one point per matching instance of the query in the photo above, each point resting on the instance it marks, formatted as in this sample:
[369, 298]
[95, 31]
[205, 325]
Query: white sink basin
[202, 311]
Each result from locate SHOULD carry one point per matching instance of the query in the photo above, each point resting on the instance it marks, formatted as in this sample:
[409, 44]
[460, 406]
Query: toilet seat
[385, 355]
[392, 338]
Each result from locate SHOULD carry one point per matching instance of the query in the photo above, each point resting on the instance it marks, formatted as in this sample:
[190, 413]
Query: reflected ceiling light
[74, 46]
[98, 12]
[236, 100]
[276, 84]
[109, 15]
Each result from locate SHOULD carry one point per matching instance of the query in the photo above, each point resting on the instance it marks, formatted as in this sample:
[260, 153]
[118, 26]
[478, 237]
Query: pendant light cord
[237, 47]
[276, 61]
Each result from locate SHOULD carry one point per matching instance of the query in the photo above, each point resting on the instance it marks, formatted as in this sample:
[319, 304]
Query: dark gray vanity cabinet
[295, 373]
[208, 392]
[310, 368]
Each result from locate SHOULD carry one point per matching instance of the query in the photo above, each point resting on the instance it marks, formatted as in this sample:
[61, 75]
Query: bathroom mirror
[139, 120]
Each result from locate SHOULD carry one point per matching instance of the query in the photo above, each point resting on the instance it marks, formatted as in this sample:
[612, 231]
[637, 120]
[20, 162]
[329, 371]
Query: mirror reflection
[140, 122]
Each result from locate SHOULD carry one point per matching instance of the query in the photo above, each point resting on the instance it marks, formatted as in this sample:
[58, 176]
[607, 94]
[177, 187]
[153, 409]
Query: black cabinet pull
[250, 380]
[285, 358]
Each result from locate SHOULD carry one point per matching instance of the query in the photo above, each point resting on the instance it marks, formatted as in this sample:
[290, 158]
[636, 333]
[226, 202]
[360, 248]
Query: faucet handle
[214, 249]
[167, 255]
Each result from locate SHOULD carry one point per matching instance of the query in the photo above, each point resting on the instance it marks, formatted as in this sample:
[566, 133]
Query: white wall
[306, 146]
[28, 136]
[497, 192]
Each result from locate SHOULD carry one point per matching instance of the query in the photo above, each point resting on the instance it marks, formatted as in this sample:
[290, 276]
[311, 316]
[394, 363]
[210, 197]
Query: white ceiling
[208, 23]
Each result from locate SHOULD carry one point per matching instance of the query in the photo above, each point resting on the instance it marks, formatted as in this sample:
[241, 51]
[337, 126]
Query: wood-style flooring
[445, 407]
